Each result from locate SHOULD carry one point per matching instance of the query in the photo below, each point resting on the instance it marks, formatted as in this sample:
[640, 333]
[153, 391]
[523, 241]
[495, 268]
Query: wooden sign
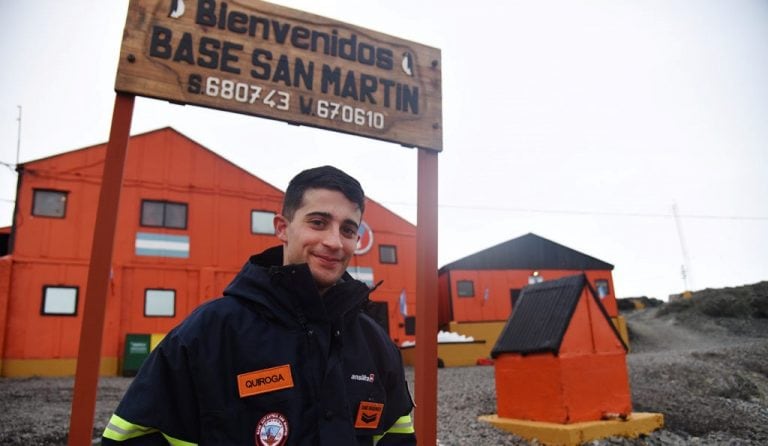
[260, 59]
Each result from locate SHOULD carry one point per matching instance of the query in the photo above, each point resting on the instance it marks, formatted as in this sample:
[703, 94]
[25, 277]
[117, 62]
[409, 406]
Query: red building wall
[164, 166]
[390, 230]
[496, 304]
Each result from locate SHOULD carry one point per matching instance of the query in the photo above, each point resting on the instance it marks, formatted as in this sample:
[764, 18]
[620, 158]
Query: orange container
[559, 359]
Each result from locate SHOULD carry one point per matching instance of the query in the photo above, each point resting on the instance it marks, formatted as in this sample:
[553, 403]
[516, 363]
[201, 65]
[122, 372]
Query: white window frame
[59, 300]
[165, 204]
[37, 211]
[266, 222]
[458, 288]
[598, 287]
[153, 298]
[390, 248]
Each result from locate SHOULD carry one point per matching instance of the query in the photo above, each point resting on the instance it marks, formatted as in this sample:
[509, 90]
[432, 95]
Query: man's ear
[281, 227]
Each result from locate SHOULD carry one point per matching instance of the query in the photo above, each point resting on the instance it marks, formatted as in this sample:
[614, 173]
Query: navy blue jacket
[271, 363]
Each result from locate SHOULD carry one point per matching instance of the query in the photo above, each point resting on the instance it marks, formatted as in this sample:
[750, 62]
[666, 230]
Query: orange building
[188, 220]
[484, 286]
[478, 293]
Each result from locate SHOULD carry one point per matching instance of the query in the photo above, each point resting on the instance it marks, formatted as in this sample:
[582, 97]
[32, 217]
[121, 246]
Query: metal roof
[529, 251]
[541, 317]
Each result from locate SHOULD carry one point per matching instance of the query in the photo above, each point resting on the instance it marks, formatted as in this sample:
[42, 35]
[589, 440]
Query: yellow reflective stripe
[403, 425]
[119, 429]
[177, 442]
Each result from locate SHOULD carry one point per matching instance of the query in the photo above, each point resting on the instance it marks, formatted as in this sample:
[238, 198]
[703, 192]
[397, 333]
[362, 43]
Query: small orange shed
[559, 359]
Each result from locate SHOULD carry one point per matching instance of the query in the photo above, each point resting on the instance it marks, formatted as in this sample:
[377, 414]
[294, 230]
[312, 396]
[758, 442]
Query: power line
[589, 212]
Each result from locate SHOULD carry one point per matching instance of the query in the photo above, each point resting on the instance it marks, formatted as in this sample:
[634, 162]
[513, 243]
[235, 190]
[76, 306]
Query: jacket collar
[291, 288]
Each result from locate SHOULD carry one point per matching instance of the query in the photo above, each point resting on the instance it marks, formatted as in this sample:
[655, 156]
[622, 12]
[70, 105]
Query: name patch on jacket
[265, 380]
[368, 415]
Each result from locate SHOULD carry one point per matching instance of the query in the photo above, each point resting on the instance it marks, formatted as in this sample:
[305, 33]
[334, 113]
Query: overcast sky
[584, 122]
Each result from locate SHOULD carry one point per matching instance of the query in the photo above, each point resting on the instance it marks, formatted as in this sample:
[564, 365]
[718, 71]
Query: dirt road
[708, 376]
[706, 373]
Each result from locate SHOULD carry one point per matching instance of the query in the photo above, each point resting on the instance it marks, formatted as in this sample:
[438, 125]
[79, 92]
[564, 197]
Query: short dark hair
[324, 177]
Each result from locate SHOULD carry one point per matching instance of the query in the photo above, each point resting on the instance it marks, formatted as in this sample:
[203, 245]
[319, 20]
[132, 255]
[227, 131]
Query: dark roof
[528, 252]
[541, 317]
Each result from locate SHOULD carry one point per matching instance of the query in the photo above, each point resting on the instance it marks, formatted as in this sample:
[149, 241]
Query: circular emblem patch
[272, 430]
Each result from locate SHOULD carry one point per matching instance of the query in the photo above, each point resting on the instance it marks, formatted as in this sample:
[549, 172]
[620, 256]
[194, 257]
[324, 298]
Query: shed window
[59, 301]
[159, 303]
[465, 288]
[262, 222]
[163, 214]
[601, 286]
[387, 254]
[49, 203]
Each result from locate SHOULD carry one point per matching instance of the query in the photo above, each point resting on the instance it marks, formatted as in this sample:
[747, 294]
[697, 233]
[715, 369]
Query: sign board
[260, 59]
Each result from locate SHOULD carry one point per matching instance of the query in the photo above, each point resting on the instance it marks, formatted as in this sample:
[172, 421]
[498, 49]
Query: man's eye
[349, 232]
[317, 223]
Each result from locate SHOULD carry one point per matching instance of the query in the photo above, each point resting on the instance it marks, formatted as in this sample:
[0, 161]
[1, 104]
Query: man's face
[322, 234]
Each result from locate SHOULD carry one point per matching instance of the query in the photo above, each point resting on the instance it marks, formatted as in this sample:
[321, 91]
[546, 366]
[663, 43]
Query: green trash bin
[137, 347]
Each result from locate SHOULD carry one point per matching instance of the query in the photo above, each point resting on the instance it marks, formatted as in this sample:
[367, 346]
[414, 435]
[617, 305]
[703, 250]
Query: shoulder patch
[368, 415]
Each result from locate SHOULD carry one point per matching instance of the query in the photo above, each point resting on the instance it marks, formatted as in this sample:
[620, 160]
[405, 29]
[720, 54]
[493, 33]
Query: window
[466, 288]
[164, 214]
[410, 325]
[387, 254]
[59, 301]
[159, 303]
[601, 285]
[49, 203]
[262, 222]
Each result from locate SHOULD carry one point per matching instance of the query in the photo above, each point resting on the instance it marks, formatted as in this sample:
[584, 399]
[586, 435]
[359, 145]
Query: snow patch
[444, 337]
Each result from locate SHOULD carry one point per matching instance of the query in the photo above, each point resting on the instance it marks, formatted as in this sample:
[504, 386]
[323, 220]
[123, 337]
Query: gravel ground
[707, 374]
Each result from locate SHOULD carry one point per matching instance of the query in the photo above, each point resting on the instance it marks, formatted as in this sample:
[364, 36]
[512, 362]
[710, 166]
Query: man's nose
[332, 238]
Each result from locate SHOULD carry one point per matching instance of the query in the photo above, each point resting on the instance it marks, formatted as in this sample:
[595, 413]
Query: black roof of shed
[529, 251]
[540, 317]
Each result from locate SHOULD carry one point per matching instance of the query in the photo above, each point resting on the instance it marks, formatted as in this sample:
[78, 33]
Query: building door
[379, 311]
[514, 293]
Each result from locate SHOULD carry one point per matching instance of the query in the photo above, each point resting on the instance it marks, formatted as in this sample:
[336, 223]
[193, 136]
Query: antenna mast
[18, 137]
[685, 268]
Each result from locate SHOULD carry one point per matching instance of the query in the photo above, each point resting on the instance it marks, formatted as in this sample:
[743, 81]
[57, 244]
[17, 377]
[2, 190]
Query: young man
[286, 357]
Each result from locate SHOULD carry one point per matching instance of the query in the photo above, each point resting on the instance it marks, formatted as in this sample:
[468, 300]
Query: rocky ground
[702, 362]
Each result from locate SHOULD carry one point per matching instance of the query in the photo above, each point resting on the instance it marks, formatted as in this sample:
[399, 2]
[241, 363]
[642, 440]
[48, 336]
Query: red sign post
[91, 333]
